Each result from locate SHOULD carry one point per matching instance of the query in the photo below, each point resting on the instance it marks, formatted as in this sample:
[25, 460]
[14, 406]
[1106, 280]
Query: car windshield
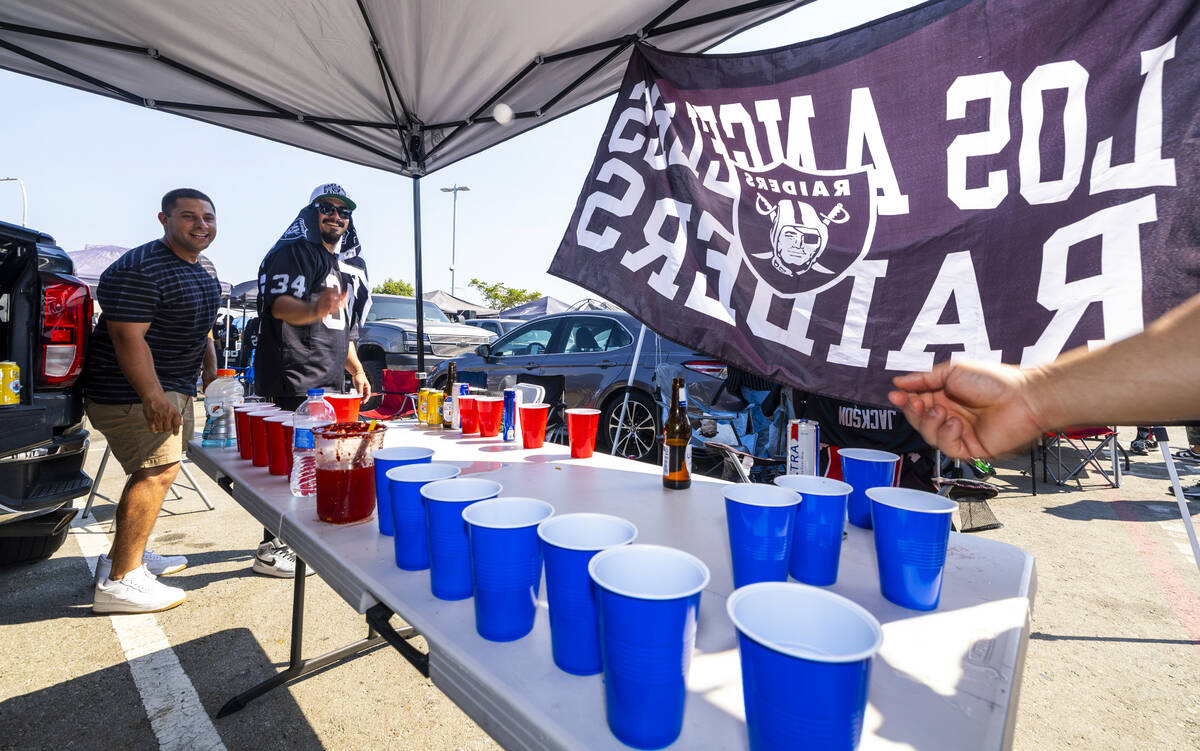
[404, 309]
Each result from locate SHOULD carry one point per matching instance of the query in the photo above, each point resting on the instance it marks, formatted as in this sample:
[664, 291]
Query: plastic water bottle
[312, 414]
[221, 396]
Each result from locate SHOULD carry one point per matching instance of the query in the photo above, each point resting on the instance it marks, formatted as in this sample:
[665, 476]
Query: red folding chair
[1087, 443]
[399, 396]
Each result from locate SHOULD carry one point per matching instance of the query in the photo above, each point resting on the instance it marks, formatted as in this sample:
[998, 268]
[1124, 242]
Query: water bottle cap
[225, 372]
[316, 392]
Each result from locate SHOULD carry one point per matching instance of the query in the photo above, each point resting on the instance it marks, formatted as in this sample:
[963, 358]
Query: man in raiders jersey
[310, 290]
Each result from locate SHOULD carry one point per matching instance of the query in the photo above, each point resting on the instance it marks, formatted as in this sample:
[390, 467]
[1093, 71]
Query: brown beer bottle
[449, 398]
[677, 437]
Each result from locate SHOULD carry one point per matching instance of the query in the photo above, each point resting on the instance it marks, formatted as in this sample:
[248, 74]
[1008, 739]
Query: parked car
[593, 352]
[388, 338]
[497, 326]
[45, 321]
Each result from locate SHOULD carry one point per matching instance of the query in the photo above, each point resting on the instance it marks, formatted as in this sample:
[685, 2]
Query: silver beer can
[804, 447]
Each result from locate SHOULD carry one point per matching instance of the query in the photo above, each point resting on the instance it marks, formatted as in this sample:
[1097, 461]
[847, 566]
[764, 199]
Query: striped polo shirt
[150, 284]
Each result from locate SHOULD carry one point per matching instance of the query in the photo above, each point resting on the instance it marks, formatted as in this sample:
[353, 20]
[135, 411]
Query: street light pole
[24, 198]
[453, 228]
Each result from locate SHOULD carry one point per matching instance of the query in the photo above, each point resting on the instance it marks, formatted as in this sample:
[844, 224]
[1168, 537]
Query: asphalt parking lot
[1113, 659]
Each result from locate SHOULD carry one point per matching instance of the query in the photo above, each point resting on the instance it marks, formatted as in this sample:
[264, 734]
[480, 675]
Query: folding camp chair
[183, 465]
[1087, 443]
[664, 373]
[553, 390]
[399, 396]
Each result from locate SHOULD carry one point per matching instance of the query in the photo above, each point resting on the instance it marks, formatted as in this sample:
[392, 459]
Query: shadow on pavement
[1118, 639]
[105, 709]
[1146, 511]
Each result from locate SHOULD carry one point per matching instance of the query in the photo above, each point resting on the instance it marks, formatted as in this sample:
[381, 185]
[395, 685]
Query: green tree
[500, 297]
[394, 287]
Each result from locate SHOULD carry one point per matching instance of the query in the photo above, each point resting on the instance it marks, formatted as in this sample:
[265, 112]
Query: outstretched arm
[973, 409]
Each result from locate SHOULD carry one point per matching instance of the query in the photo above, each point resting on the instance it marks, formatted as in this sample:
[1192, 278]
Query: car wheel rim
[638, 433]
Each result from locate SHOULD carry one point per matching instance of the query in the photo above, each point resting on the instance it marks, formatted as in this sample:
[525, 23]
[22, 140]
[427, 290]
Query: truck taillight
[66, 323]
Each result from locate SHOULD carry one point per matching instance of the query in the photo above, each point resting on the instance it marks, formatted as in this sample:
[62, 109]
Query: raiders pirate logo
[297, 229]
[801, 231]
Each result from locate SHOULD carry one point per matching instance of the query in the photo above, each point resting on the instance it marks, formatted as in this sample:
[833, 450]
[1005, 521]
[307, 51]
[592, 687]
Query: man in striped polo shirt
[159, 302]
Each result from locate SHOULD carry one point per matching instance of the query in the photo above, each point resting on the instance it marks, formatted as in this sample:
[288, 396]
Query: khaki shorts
[130, 438]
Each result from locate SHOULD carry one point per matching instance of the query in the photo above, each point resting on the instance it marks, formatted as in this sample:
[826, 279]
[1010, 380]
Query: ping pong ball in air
[502, 113]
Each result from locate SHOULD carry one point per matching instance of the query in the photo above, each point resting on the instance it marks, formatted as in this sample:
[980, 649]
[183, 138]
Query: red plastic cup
[278, 447]
[490, 410]
[241, 425]
[258, 436]
[345, 406]
[581, 431]
[289, 437]
[468, 418]
[533, 424]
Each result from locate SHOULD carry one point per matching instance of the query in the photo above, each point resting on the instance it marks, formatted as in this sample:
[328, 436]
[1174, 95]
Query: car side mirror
[484, 351]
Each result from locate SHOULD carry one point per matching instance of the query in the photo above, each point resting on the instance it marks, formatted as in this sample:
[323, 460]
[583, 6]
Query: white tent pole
[1184, 512]
[228, 325]
[637, 355]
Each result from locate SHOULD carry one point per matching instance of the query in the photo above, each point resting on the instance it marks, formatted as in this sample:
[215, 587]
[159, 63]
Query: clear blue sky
[95, 169]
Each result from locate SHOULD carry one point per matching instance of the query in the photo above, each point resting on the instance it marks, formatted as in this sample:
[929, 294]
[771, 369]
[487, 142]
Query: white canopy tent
[405, 87]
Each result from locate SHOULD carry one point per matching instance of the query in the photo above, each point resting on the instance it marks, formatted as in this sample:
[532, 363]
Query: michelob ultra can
[804, 447]
[433, 408]
[10, 382]
[423, 405]
[508, 424]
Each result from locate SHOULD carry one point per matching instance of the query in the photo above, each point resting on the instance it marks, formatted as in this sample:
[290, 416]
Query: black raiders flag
[993, 179]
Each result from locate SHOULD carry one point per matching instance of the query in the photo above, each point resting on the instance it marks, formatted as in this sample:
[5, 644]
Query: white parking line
[173, 707]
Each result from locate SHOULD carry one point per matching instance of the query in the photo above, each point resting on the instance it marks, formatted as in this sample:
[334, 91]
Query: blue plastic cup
[912, 529]
[820, 521]
[385, 459]
[569, 543]
[761, 519]
[506, 562]
[806, 664]
[408, 510]
[864, 469]
[648, 599]
[449, 547]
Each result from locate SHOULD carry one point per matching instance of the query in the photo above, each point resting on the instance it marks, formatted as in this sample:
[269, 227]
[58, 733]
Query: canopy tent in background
[244, 294]
[539, 307]
[405, 87]
[91, 262]
[452, 305]
[996, 179]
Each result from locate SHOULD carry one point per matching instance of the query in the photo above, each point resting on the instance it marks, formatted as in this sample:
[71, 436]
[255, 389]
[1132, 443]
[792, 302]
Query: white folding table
[945, 679]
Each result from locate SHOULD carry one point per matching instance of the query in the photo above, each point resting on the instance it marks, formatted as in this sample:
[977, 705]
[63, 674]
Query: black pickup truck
[45, 320]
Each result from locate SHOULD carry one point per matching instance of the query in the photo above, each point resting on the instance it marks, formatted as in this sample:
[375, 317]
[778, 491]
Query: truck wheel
[30, 549]
[374, 371]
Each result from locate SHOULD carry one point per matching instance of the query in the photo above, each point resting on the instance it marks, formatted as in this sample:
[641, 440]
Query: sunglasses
[328, 209]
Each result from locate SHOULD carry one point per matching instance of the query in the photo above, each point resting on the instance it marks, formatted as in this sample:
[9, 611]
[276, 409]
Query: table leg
[299, 667]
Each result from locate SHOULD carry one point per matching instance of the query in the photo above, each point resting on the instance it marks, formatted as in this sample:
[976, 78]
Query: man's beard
[331, 235]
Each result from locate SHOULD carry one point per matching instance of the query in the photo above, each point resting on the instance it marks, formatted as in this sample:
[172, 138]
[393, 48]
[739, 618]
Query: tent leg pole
[228, 326]
[417, 274]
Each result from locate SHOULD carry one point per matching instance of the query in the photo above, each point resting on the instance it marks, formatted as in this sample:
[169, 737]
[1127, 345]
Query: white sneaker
[275, 558]
[137, 592]
[158, 565]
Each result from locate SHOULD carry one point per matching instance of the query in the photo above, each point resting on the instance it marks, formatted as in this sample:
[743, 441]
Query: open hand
[970, 409]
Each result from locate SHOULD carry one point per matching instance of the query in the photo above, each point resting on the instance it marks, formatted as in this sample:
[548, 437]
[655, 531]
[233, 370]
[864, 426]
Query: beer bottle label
[676, 458]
